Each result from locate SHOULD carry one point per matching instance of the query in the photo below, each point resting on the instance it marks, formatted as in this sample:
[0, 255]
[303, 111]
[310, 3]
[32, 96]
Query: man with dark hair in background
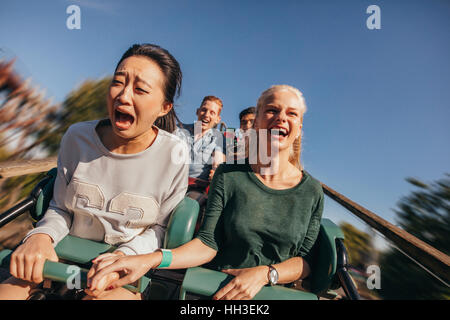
[246, 118]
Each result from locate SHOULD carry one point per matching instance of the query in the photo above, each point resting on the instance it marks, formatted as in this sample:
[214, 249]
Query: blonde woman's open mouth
[279, 132]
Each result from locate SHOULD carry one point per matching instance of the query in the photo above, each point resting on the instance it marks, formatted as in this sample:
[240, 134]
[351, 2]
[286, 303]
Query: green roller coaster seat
[205, 282]
[43, 199]
[181, 226]
[324, 257]
[180, 229]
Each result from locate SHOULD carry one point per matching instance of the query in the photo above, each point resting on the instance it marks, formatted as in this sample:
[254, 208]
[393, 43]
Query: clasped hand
[112, 270]
[245, 285]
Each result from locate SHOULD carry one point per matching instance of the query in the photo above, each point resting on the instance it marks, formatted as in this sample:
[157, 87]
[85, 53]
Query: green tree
[425, 213]
[88, 102]
[358, 244]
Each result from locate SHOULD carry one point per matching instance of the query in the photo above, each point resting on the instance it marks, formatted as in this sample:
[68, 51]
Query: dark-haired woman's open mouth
[122, 119]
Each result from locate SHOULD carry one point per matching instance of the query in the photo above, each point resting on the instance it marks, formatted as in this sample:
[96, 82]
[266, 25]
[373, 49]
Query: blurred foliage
[359, 246]
[88, 102]
[17, 188]
[425, 214]
[4, 154]
[37, 125]
[24, 110]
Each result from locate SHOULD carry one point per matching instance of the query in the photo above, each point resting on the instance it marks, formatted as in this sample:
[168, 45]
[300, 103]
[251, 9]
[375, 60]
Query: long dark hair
[172, 74]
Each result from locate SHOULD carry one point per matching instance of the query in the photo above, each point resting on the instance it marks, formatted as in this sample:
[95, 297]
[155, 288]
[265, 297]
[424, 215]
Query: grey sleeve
[147, 242]
[57, 219]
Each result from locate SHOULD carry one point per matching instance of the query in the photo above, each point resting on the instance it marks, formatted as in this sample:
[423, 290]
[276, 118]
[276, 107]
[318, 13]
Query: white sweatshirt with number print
[121, 199]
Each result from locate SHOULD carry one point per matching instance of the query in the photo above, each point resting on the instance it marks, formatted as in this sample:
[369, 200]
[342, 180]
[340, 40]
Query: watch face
[273, 276]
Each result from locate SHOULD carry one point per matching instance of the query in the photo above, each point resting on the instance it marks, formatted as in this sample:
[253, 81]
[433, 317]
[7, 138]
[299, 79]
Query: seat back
[181, 226]
[44, 193]
[324, 257]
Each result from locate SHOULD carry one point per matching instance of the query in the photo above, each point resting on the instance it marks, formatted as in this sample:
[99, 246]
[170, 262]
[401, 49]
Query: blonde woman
[260, 224]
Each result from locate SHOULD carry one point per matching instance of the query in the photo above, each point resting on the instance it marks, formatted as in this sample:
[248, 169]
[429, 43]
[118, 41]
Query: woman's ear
[167, 106]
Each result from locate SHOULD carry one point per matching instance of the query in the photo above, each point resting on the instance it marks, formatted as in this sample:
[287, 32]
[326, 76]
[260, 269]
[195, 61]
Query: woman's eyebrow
[142, 80]
[120, 73]
[292, 108]
[124, 73]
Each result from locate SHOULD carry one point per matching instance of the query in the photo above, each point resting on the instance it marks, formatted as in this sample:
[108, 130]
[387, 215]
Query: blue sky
[378, 100]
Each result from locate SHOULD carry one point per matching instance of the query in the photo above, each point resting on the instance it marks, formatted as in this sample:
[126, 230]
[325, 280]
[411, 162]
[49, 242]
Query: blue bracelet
[166, 258]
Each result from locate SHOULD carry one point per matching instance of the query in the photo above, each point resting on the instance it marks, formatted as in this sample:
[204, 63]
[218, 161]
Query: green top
[250, 224]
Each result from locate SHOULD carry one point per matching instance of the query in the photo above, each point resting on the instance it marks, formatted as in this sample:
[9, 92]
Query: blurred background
[376, 129]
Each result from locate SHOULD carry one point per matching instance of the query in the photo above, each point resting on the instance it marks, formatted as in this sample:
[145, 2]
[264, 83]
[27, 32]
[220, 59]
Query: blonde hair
[296, 148]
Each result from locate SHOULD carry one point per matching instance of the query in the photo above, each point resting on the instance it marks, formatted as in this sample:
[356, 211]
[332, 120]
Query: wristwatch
[272, 275]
